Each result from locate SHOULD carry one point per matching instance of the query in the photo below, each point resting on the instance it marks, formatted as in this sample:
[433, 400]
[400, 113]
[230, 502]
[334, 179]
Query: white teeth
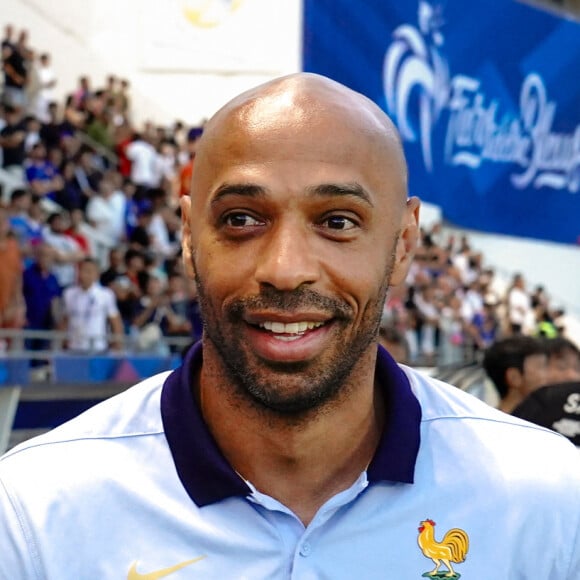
[290, 328]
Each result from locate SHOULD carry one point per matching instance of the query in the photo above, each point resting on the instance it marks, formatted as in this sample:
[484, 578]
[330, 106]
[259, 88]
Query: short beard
[264, 387]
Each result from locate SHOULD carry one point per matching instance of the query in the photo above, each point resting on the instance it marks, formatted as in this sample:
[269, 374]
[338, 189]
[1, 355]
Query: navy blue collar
[208, 477]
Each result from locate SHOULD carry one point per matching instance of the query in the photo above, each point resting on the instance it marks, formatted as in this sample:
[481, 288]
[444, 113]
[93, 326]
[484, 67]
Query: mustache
[302, 298]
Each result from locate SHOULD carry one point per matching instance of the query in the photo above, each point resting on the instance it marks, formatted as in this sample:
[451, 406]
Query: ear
[407, 242]
[186, 238]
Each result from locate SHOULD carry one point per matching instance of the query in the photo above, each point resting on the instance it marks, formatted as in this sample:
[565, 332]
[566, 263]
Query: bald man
[289, 444]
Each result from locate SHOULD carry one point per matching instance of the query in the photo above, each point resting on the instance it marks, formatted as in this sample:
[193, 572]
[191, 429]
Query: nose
[288, 259]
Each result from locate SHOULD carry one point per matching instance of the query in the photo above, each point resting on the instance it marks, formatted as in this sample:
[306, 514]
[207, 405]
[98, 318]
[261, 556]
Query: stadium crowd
[90, 234]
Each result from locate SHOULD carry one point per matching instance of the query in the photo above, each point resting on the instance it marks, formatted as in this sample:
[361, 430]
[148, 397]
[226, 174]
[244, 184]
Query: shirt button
[305, 549]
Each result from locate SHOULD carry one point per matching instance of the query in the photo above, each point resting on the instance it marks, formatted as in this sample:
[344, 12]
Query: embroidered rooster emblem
[453, 548]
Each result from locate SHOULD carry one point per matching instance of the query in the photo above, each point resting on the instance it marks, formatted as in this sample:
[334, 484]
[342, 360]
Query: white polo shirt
[136, 488]
[88, 312]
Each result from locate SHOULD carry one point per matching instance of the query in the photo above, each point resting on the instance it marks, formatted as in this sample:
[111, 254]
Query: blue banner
[486, 96]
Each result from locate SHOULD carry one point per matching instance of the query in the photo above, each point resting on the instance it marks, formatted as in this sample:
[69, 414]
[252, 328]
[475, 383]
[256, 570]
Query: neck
[300, 461]
[510, 402]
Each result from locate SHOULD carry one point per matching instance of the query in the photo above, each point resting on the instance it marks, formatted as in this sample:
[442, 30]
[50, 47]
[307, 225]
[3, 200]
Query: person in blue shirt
[41, 292]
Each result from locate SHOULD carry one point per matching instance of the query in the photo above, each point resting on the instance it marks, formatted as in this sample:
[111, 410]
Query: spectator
[139, 238]
[128, 288]
[80, 232]
[517, 366]
[12, 138]
[429, 312]
[74, 118]
[15, 76]
[186, 170]
[115, 269]
[12, 308]
[68, 253]
[20, 202]
[152, 318]
[32, 127]
[122, 100]
[106, 212]
[51, 129]
[43, 178]
[98, 126]
[47, 82]
[519, 306]
[87, 174]
[545, 326]
[29, 227]
[123, 137]
[82, 93]
[41, 293]
[89, 311]
[164, 223]
[557, 404]
[167, 166]
[484, 327]
[143, 159]
[70, 196]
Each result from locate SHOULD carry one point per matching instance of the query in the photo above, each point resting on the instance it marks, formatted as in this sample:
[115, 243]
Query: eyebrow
[323, 190]
[342, 189]
[243, 189]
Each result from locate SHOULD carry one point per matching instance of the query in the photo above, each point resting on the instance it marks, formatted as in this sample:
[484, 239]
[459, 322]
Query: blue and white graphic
[485, 97]
[413, 61]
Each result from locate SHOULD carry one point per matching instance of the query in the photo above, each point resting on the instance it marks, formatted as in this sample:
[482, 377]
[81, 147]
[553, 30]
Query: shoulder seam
[492, 420]
[79, 438]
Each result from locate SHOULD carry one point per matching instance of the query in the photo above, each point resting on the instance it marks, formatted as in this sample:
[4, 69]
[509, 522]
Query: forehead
[317, 130]
[89, 267]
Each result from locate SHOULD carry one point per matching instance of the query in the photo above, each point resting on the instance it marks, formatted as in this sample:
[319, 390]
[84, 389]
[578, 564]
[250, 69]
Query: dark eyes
[339, 222]
[241, 220]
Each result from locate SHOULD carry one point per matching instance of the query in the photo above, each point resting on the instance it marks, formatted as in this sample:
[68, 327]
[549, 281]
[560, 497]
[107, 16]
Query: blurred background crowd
[88, 199]
[90, 235]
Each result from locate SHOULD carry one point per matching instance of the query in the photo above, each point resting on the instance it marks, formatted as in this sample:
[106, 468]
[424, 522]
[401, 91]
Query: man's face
[88, 274]
[293, 237]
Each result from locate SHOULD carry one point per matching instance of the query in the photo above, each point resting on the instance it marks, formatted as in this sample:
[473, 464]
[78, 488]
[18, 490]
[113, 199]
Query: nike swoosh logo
[134, 575]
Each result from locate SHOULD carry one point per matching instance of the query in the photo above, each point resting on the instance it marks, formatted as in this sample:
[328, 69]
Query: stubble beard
[291, 390]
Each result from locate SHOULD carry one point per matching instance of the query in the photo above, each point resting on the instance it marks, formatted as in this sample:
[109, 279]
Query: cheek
[359, 281]
[222, 273]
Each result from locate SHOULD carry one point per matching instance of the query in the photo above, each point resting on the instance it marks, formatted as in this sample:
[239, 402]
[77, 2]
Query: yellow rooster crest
[453, 548]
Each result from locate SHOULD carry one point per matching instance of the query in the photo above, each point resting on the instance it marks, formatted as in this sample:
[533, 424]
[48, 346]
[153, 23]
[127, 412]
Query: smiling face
[297, 224]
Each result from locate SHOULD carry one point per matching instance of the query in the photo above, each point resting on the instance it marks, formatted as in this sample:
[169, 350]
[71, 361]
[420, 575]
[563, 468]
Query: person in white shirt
[89, 311]
[144, 162]
[106, 212]
[46, 83]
